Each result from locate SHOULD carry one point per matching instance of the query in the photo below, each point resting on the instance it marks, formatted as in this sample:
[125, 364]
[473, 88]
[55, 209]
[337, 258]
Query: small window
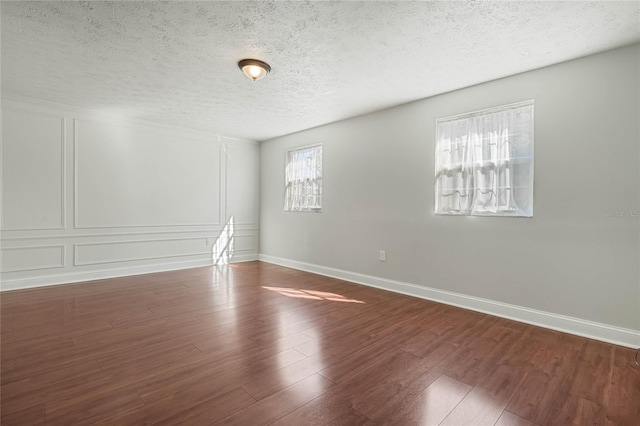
[303, 179]
[484, 162]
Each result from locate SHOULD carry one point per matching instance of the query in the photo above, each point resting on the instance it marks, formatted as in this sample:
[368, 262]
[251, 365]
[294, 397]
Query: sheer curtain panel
[484, 162]
[303, 179]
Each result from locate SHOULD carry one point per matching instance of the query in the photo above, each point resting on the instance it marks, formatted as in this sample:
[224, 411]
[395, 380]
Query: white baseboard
[74, 277]
[593, 330]
[239, 258]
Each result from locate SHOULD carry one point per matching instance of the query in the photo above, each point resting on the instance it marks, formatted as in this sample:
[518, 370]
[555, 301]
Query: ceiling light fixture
[254, 69]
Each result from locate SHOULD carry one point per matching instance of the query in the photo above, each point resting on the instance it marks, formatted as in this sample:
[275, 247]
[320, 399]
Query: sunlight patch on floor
[311, 294]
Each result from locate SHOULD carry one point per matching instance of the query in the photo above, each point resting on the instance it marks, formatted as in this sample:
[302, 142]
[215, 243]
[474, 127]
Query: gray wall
[572, 258]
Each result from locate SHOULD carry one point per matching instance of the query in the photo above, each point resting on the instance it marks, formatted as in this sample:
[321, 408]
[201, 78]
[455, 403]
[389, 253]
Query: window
[484, 162]
[303, 179]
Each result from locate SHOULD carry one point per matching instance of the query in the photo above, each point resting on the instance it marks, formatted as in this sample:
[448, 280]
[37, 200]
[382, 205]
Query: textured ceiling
[175, 62]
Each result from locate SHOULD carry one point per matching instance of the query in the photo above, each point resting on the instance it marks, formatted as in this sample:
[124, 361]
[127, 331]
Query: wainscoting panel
[242, 163]
[33, 164]
[246, 242]
[31, 258]
[127, 251]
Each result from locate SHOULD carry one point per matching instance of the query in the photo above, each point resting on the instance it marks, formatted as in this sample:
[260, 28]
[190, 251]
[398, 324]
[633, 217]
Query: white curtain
[484, 163]
[303, 179]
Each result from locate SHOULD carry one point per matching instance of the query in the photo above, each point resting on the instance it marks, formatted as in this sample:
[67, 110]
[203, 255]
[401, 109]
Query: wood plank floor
[257, 344]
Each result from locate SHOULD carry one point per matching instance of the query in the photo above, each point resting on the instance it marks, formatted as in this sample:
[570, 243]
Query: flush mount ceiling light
[254, 69]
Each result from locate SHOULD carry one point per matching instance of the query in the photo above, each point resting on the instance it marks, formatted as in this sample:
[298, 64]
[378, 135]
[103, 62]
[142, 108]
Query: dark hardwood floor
[257, 344]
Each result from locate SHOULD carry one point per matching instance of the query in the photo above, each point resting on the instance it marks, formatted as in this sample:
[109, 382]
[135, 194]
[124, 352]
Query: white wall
[86, 195]
[572, 266]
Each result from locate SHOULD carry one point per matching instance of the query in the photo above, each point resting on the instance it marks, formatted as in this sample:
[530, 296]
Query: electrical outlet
[383, 256]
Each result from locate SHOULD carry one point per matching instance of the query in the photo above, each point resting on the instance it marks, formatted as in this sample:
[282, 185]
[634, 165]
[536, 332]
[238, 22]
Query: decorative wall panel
[125, 251]
[128, 177]
[31, 258]
[33, 163]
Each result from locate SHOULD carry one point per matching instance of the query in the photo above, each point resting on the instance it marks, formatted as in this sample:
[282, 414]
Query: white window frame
[482, 170]
[298, 204]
